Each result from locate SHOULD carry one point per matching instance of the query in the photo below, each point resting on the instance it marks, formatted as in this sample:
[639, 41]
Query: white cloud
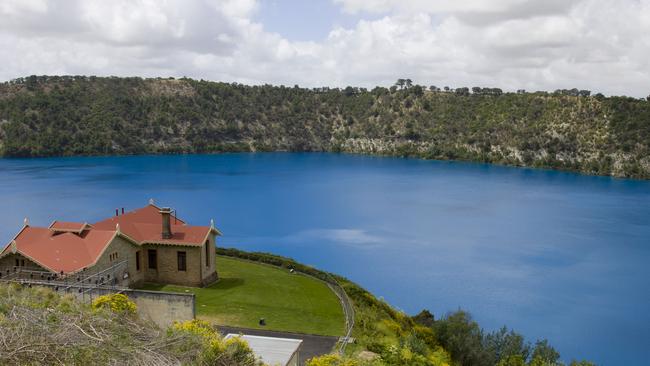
[595, 44]
[349, 237]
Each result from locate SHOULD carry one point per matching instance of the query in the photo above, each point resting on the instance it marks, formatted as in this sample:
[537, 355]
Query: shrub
[331, 360]
[118, 303]
[216, 351]
[69, 332]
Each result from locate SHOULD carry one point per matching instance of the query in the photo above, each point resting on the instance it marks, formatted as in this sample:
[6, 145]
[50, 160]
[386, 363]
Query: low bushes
[216, 350]
[118, 303]
[40, 327]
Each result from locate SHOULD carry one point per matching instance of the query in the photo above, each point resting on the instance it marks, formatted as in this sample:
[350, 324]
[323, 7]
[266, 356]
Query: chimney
[166, 224]
[122, 210]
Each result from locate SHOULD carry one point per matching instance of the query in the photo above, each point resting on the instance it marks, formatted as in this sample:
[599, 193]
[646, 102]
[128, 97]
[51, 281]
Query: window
[17, 262]
[153, 258]
[207, 253]
[137, 260]
[182, 261]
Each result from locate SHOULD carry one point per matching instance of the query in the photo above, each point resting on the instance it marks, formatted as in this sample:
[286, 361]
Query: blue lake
[551, 254]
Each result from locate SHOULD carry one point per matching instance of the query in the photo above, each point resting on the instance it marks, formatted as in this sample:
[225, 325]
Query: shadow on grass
[228, 283]
[153, 286]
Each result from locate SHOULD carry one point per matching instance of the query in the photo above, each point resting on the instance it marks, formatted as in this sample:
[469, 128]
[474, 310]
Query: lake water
[550, 254]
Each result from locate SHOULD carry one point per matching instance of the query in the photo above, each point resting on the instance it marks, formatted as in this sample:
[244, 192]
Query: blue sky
[600, 45]
[304, 20]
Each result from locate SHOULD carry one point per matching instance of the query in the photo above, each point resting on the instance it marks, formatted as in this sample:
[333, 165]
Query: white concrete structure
[273, 351]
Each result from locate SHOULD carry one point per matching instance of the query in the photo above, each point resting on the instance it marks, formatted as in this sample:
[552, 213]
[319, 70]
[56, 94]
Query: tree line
[86, 115]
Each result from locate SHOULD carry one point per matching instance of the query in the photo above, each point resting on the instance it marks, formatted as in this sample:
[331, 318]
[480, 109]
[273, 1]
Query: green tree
[581, 363]
[462, 337]
[504, 344]
[545, 352]
[462, 91]
[425, 318]
[514, 360]
[417, 90]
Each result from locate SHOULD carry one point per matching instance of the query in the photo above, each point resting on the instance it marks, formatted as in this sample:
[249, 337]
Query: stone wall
[209, 273]
[125, 250]
[167, 267]
[163, 308]
[8, 262]
[196, 272]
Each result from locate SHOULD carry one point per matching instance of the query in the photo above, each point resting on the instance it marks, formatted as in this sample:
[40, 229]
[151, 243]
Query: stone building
[152, 243]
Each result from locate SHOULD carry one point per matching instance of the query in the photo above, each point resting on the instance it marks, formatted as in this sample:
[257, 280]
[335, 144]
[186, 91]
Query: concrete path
[312, 345]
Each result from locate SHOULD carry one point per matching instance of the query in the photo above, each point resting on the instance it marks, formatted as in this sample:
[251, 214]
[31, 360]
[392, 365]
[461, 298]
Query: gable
[72, 246]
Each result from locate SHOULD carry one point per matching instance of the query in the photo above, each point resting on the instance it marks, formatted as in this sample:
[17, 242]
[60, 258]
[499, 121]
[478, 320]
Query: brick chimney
[166, 223]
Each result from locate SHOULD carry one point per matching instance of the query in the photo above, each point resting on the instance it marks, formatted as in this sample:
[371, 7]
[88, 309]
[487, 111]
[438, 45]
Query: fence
[161, 307]
[348, 311]
[83, 284]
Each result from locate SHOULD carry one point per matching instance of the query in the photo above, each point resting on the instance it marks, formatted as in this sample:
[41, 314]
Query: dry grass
[39, 327]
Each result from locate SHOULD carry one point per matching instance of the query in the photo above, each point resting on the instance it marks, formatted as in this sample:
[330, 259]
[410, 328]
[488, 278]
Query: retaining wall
[163, 308]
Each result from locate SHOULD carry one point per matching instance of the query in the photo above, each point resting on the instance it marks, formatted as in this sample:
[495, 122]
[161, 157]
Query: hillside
[41, 327]
[384, 336]
[48, 116]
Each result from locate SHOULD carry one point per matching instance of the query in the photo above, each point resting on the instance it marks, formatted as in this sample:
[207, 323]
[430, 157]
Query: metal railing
[27, 273]
[348, 311]
[111, 278]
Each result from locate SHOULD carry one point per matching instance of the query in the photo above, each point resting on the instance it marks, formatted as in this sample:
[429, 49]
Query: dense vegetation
[567, 129]
[40, 327]
[385, 336]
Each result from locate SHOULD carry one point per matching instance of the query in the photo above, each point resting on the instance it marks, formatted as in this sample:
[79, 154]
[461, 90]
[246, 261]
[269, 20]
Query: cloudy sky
[601, 45]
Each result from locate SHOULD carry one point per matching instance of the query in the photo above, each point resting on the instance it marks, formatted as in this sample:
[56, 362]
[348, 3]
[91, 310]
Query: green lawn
[248, 291]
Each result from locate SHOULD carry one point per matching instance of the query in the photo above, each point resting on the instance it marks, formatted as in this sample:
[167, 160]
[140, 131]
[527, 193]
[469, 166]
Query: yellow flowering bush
[198, 327]
[330, 360]
[234, 350]
[440, 357]
[118, 303]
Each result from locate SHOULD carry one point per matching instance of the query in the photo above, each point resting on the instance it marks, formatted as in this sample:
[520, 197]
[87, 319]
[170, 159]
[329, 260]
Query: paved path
[312, 345]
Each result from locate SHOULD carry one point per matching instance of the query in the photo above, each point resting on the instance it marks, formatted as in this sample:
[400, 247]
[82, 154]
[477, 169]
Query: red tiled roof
[148, 214]
[61, 226]
[67, 252]
[72, 246]
[144, 226]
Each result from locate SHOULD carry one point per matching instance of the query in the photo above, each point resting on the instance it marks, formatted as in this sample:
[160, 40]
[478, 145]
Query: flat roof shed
[272, 350]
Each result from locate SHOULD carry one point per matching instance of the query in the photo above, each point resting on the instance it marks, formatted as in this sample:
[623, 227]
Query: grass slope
[248, 291]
